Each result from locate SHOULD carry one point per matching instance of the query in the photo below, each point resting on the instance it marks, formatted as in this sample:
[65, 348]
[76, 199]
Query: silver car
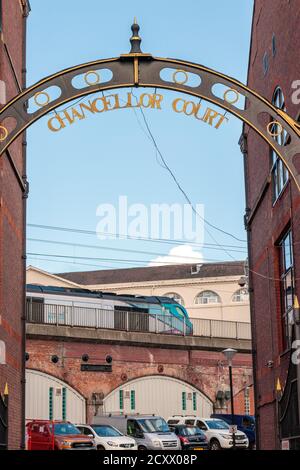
[149, 432]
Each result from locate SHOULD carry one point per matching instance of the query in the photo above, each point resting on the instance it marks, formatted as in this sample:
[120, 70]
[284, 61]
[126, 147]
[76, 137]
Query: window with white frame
[287, 285]
[207, 297]
[241, 295]
[247, 401]
[279, 171]
[176, 297]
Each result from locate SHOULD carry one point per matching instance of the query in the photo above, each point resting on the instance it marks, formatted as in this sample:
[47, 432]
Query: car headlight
[112, 444]
[156, 443]
[226, 436]
[67, 444]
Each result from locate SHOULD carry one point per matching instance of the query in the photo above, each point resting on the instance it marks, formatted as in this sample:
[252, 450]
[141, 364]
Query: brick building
[13, 15]
[272, 218]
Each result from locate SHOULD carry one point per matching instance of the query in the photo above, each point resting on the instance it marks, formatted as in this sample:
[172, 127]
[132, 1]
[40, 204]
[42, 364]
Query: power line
[131, 237]
[166, 167]
[98, 247]
[71, 262]
[116, 260]
[171, 172]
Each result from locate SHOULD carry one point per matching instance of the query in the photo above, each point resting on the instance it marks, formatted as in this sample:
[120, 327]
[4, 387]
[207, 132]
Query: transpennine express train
[83, 307]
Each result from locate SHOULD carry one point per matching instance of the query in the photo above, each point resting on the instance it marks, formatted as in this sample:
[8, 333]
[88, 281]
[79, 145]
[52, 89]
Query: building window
[132, 400]
[50, 403]
[121, 399]
[273, 45]
[194, 401]
[287, 285]
[183, 401]
[2, 352]
[241, 295]
[207, 297]
[279, 171]
[64, 403]
[247, 401]
[265, 63]
[176, 297]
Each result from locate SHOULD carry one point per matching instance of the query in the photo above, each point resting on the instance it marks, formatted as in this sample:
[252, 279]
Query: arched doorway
[50, 398]
[160, 395]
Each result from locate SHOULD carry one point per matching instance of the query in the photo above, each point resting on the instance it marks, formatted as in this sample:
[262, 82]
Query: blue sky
[108, 155]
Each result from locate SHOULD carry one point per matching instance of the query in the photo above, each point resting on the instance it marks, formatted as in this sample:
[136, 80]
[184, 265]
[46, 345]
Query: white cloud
[179, 255]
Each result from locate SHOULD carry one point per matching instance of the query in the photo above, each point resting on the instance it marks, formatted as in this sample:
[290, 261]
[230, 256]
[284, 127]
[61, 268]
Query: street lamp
[229, 354]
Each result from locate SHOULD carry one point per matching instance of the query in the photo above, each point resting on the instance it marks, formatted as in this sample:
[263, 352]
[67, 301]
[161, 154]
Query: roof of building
[156, 273]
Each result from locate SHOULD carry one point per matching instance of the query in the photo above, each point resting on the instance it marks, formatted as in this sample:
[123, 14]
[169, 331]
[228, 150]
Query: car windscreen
[153, 425]
[191, 431]
[216, 424]
[65, 428]
[106, 431]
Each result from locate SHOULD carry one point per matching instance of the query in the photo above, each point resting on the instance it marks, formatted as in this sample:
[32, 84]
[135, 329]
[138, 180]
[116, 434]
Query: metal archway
[137, 69]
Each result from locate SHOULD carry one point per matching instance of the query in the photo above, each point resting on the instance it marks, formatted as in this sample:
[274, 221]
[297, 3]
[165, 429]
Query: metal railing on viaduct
[132, 321]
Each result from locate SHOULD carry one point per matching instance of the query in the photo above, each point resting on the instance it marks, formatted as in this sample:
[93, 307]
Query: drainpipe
[26, 9]
[244, 150]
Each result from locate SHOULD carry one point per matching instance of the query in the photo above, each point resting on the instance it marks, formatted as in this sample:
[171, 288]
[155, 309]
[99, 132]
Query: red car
[56, 435]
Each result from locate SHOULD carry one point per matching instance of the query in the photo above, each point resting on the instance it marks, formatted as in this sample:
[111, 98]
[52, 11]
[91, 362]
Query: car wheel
[100, 448]
[142, 448]
[215, 445]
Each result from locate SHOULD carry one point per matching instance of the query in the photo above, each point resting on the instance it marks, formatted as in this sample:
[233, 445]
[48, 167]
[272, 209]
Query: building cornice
[162, 283]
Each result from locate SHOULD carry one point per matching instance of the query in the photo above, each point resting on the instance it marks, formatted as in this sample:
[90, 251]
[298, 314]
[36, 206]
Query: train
[87, 308]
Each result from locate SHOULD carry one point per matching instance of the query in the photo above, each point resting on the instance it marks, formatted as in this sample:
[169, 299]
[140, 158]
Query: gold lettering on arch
[102, 104]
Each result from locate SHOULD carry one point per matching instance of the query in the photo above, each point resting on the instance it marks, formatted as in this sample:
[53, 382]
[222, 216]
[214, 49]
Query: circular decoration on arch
[160, 369]
[180, 82]
[235, 98]
[38, 102]
[3, 133]
[124, 377]
[91, 73]
[270, 130]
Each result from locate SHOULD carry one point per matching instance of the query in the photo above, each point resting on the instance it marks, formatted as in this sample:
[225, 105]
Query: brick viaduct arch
[201, 369]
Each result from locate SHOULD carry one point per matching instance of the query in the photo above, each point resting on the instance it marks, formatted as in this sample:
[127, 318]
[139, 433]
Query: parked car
[216, 430]
[56, 435]
[245, 423]
[191, 437]
[107, 437]
[149, 431]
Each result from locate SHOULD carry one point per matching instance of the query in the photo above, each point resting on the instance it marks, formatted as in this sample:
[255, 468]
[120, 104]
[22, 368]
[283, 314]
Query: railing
[124, 320]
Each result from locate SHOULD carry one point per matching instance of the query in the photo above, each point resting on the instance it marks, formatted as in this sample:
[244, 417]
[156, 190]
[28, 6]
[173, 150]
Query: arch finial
[135, 39]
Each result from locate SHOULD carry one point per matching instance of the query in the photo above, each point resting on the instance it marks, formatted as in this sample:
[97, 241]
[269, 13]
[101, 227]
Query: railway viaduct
[195, 362]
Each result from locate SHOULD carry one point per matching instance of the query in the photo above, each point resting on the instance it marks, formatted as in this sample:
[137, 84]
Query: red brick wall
[282, 18]
[204, 370]
[11, 228]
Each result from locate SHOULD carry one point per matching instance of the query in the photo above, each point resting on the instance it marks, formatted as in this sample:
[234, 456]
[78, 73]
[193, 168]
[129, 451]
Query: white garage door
[51, 398]
[158, 395]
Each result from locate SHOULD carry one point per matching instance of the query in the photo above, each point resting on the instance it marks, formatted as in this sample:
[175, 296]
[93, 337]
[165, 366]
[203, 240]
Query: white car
[216, 430]
[107, 437]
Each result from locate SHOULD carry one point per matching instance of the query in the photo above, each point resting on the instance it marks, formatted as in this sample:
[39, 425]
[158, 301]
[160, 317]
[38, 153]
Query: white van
[216, 430]
[149, 431]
